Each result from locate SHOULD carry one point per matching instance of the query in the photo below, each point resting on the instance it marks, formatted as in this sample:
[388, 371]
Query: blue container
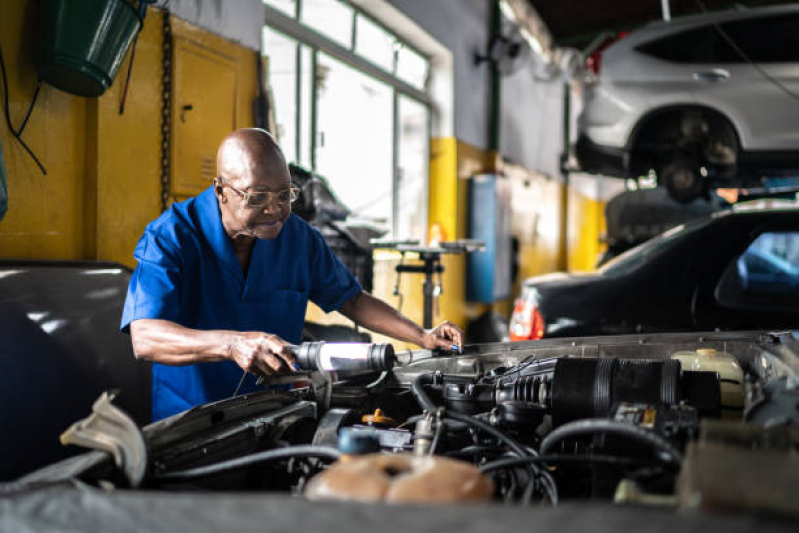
[488, 273]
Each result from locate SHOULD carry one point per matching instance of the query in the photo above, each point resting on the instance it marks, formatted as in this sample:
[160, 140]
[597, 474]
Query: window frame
[304, 35]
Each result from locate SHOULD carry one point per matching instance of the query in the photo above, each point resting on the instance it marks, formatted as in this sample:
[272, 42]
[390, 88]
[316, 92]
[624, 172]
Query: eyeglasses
[262, 198]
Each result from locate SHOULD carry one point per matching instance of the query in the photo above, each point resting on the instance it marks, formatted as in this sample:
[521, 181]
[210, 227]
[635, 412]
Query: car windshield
[631, 259]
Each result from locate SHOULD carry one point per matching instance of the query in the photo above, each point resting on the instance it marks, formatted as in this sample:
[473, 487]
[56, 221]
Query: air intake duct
[588, 388]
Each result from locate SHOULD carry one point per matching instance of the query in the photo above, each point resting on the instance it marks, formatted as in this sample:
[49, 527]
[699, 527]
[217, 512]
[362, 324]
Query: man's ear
[219, 190]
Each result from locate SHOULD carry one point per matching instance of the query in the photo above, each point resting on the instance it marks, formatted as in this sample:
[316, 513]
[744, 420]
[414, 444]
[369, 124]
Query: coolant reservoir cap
[358, 441]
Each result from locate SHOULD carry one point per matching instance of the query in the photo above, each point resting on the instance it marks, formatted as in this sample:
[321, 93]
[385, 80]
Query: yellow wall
[586, 231]
[103, 184]
[45, 213]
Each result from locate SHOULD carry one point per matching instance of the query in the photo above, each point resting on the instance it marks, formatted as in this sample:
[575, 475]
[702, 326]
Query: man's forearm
[376, 315]
[163, 341]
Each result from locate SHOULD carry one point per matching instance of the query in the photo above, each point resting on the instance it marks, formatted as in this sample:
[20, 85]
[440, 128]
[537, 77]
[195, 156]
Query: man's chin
[267, 231]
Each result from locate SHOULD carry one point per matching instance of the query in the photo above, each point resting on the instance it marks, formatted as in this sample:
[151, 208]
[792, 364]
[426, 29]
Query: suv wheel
[682, 179]
[680, 142]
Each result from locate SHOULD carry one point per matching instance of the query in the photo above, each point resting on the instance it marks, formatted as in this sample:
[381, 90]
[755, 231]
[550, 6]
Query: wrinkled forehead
[273, 176]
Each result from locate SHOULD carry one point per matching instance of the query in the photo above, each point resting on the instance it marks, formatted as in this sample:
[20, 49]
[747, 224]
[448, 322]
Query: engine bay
[667, 420]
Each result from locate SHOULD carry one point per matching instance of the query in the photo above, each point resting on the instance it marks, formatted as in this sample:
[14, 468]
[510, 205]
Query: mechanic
[224, 279]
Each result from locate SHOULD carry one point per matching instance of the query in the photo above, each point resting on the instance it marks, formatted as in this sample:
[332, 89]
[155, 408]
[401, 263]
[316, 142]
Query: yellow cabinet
[203, 113]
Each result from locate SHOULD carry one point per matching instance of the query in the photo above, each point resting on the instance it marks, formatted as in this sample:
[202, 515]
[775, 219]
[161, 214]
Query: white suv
[706, 100]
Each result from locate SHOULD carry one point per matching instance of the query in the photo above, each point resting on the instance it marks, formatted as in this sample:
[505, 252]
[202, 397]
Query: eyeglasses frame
[270, 195]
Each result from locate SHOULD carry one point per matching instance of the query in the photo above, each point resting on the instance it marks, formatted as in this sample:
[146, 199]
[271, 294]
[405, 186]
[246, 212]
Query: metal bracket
[109, 429]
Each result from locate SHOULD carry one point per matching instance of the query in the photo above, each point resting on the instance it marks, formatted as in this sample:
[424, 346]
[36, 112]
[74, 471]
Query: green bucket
[82, 43]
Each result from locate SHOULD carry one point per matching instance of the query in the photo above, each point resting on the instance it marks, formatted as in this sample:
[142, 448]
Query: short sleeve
[332, 284]
[154, 289]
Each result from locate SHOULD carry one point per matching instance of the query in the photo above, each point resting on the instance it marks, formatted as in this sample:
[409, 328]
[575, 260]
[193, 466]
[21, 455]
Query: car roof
[722, 16]
[661, 28]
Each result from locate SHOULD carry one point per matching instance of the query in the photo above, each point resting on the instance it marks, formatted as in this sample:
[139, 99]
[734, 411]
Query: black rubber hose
[559, 458]
[578, 428]
[417, 389]
[424, 401]
[491, 430]
[427, 404]
[260, 457]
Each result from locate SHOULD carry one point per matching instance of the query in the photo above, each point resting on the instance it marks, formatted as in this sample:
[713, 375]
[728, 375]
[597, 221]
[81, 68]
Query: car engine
[668, 420]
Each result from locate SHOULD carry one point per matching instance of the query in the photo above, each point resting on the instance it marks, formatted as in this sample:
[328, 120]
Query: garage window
[765, 277]
[351, 103]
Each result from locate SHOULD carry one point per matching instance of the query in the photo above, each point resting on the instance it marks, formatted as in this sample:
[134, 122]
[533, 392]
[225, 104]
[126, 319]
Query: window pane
[772, 39]
[412, 170]
[765, 277]
[354, 142]
[412, 68]
[375, 44]
[306, 105]
[691, 46]
[281, 52]
[329, 17]
[288, 7]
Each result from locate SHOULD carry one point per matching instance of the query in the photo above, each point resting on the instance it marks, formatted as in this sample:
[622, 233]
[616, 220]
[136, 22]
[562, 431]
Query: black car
[735, 270]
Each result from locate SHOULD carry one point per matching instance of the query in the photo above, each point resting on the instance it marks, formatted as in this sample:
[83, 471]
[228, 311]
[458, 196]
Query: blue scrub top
[188, 273]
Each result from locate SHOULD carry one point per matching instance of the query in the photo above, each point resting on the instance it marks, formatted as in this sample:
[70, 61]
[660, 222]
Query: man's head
[249, 163]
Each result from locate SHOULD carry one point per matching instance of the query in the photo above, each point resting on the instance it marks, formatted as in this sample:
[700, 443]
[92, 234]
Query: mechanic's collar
[210, 221]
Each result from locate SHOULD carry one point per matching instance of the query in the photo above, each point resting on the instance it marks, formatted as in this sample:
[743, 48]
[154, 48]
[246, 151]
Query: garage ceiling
[576, 22]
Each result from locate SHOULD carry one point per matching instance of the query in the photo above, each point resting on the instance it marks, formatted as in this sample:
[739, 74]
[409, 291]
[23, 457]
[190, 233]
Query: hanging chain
[166, 111]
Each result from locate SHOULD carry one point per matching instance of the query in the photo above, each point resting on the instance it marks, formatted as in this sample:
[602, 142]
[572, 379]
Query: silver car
[706, 100]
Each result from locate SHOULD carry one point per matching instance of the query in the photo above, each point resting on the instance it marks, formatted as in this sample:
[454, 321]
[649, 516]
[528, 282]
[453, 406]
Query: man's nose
[272, 206]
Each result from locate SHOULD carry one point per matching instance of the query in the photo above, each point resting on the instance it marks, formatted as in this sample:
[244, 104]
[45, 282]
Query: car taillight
[594, 61]
[527, 322]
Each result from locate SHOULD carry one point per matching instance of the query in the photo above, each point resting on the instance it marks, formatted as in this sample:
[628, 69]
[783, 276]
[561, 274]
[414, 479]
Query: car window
[773, 39]
[634, 257]
[765, 277]
[690, 46]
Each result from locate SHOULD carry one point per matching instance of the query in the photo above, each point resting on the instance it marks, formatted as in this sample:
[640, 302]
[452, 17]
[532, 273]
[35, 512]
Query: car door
[759, 286]
[750, 73]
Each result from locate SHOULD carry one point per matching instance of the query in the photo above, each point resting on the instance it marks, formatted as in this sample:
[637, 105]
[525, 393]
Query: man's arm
[376, 315]
[163, 341]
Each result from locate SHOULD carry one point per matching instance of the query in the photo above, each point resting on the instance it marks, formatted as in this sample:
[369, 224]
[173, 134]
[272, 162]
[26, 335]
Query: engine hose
[248, 460]
[491, 430]
[579, 428]
[417, 389]
[427, 404]
[557, 459]
[436, 437]
[424, 401]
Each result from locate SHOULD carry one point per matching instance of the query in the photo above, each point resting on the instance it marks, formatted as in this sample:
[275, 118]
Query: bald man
[223, 281]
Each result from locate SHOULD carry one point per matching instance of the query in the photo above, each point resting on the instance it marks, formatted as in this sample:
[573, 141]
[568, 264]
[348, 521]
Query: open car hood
[90, 492]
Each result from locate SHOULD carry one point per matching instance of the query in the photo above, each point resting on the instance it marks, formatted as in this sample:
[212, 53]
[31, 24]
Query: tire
[683, 180]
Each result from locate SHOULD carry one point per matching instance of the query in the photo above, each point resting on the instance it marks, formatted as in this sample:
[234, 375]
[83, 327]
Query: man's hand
[444, 336]
[262, 354]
